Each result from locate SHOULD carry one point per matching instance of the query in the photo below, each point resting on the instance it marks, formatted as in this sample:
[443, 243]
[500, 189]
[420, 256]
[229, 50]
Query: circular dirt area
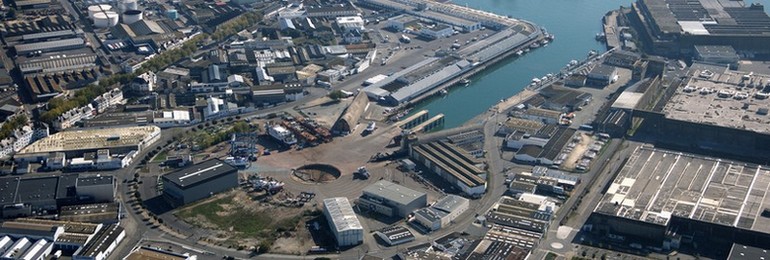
[317, 173]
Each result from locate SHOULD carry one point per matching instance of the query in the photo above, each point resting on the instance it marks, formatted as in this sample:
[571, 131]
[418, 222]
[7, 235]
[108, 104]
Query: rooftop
[393, 192]
[199, 173]
[715, 50]
[656, 184]
[90, 213]
[728, 99]
[742, 252]
[26, 190]
[708, 17]
[92, 139]
[343, 216]
[397, 234]
[95, 180]
[450, 203]
[147, 253]
[102, 242]
[627, 100]
[29, 47]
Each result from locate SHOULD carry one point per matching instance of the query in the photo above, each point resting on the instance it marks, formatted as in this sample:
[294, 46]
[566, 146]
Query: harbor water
[573, 22]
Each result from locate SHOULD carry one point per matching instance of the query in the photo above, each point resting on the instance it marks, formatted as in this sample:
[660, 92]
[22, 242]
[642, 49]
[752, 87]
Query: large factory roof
[711, 98]
[43, 46]
[393, 192]
[199, 173]
[707, 17]
[91, 139]
[46, 35]
[655, 185]
[343, 216]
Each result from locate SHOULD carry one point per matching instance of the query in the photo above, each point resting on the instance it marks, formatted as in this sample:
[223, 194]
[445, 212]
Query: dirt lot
[243, 220]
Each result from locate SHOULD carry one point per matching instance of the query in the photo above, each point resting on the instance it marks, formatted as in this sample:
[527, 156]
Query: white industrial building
[350, 23]
[343, 222]
[198, 181]
[442, 213]
[436, 32]
[391, 199]
[118, 140]
[175, 117]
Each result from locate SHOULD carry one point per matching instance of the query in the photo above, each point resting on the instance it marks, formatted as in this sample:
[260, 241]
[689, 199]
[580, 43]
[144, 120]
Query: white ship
[282, 135]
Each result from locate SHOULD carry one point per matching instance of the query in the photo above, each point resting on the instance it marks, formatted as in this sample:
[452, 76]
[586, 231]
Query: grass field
[161, 156]
[225, 215]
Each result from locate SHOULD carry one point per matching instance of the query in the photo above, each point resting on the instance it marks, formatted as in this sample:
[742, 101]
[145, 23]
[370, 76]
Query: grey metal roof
[39, 46]
[430, 214]
[393, 192]
[199, 173]
[44, 35]
[426, 84]
[450, 203]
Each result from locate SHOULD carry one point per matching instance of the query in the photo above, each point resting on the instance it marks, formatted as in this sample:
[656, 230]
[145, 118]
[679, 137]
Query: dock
[474, 71]
[413, 120]
[426, 126]
[611, 34]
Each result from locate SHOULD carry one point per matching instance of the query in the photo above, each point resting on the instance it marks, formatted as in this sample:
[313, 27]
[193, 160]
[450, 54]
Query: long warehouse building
[453, 165]
[343, 222]
[198, 181]
[48, 46]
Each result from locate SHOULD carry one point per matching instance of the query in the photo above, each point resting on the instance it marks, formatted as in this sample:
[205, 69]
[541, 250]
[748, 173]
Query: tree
[336, 95]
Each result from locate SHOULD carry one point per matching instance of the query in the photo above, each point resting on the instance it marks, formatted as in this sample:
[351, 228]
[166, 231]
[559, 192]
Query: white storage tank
[130, 5]
[93, 9]
[132, 16]
[106, 19]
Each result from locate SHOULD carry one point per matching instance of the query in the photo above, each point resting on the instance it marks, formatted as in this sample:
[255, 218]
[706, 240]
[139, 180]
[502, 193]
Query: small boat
[544, 42]
[600, 36]
[465, 82]
[443, 92]
[535, 46]
[519, 53]
[526, 50]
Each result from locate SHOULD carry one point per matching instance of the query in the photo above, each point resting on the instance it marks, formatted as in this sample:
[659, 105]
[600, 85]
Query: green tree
[336, 95]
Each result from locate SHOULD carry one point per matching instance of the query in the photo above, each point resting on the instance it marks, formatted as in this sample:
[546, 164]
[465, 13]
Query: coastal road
[559, 236]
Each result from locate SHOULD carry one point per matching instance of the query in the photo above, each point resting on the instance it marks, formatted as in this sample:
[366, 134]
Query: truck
[362, 173]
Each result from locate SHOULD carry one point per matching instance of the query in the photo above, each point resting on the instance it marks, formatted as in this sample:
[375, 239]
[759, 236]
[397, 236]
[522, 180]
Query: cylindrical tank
[132, 16]
[130, 5]
[93, 9]
[106, 19]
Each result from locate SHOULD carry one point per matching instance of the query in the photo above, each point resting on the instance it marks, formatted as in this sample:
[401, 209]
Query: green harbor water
[573, 22]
